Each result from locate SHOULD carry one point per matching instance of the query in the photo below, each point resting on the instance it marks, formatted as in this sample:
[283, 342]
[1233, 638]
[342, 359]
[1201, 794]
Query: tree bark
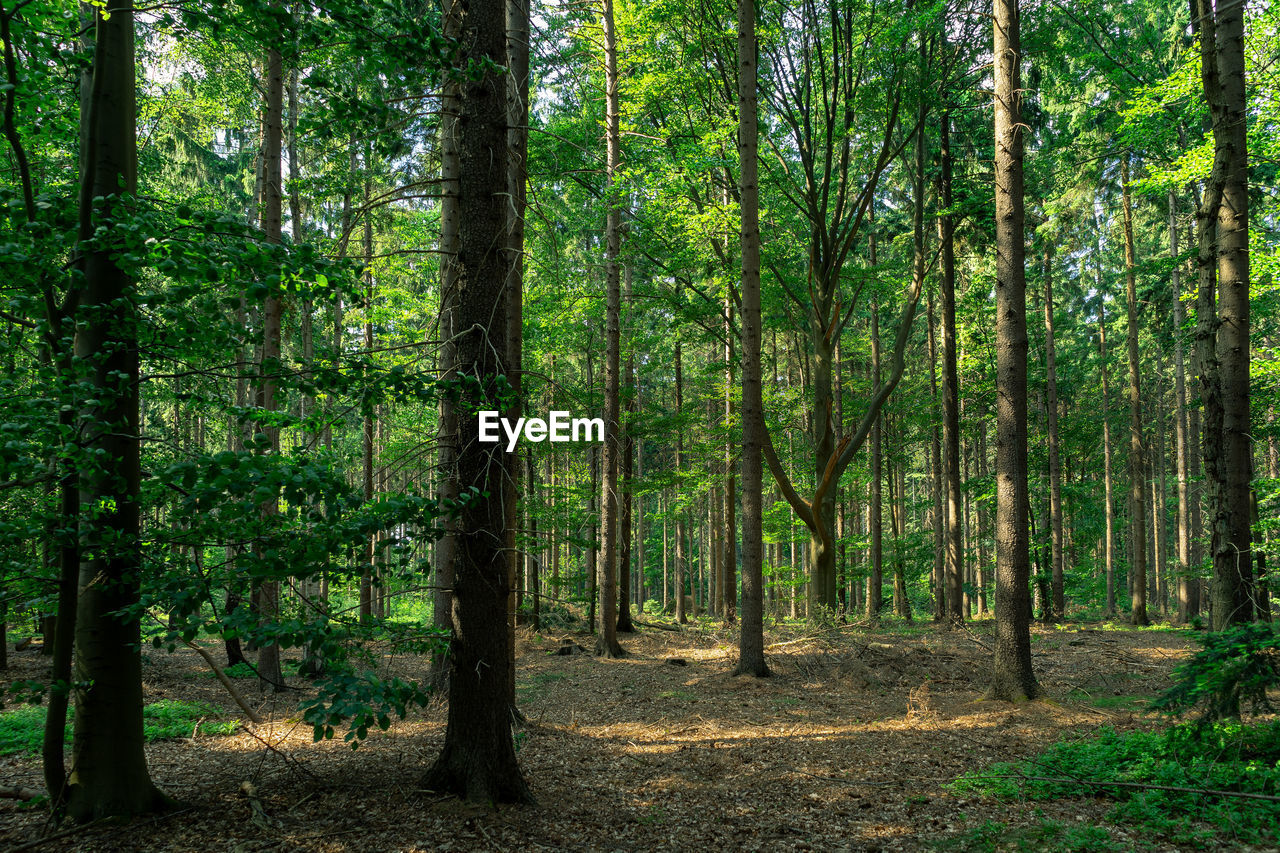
[952, 536]
[109, 776]
[751, 660]
[1137, 464]
[478, 760]
[1013, 679]
[1227, 444]
[681, 556]
[1055, 458]
[607, 645]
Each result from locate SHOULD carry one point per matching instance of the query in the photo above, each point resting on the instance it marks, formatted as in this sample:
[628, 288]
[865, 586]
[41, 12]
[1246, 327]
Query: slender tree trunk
[1137, 465]
[875, 579]
[1183, 459]
[1013, 678]
[954, 568]
[1055, 460]
[608, 645]
[936, 480]
[729, 589]
[981, 452]
[681, 558]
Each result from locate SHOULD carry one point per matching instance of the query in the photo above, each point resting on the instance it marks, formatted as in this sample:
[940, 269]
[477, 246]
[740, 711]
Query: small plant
[22, 728]
[1173, 783]
[1233, 666]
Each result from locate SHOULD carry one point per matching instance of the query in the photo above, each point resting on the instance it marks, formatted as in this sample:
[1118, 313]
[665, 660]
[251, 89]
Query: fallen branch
[17, 792]
[36, 842]
[657, 625]
[1244, 795]
[253, 715]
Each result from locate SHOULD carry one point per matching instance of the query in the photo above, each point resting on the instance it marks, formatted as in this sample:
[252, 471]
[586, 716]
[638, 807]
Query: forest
[638, 425]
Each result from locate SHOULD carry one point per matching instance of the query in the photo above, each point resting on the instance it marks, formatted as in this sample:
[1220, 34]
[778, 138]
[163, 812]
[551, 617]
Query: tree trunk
[681, 557]
[1227, 443]
[1109, 546]
[1055, 461]
[109, 775]
[875, 578]
[954, 566]
[478, 760]
[1013, 678]
[1183, 458]
[608, 645]
[1137, 465]
[729, 573]
[751, 660]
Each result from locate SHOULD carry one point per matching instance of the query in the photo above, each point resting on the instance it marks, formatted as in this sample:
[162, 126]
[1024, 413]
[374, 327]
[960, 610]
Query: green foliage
[22, 728]
[362, 700]
[1226, 756]
[1234, 666]
[1047, 835]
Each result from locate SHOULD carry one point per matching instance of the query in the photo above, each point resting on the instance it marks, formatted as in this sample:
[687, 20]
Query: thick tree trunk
[109, 775]
[1013, 678]
[1227, 442]
[478, 760]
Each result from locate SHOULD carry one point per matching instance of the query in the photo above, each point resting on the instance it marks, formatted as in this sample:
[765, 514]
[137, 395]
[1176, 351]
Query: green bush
[22, 728]
[1234, 666]
[1199, 758]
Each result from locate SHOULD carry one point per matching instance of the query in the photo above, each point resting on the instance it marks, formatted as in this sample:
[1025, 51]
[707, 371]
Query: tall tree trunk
[608, 645]
[729, 574]
[270, 676]
[1227, 443]
[1109, 510]
[478, 760]
[1013, 678]
[875, 578]
[937, 479]
[371, 543]
[1055, 460]
[681, 556]
[983, 576]
[109, 775]
[1182, 451]
[1137, 464]
[954, 567]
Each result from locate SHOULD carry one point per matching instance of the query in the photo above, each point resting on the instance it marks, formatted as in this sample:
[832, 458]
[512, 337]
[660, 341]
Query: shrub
[1236, 665]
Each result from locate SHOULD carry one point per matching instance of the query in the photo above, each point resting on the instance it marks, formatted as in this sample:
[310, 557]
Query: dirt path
[845, 748]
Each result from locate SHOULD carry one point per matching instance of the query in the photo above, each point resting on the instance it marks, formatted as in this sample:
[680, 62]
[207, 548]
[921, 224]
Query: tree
[751, 638]
[953, 568]
[607, 644]
[1012, 679]
[478, 760]
[1137, 468]
[1224, 363]
[109, 775]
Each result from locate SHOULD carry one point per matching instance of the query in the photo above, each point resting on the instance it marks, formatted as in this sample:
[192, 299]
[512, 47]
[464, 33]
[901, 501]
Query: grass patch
[1227, 756]
[22, 728]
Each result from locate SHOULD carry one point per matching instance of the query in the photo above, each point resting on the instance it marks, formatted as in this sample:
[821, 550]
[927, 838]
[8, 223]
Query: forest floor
[847, 747]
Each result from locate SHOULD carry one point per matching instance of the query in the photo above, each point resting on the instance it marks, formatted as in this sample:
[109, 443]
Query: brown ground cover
[847, 747]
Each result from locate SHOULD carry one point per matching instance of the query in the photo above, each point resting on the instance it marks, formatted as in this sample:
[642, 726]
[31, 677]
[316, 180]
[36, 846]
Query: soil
[848, 746]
